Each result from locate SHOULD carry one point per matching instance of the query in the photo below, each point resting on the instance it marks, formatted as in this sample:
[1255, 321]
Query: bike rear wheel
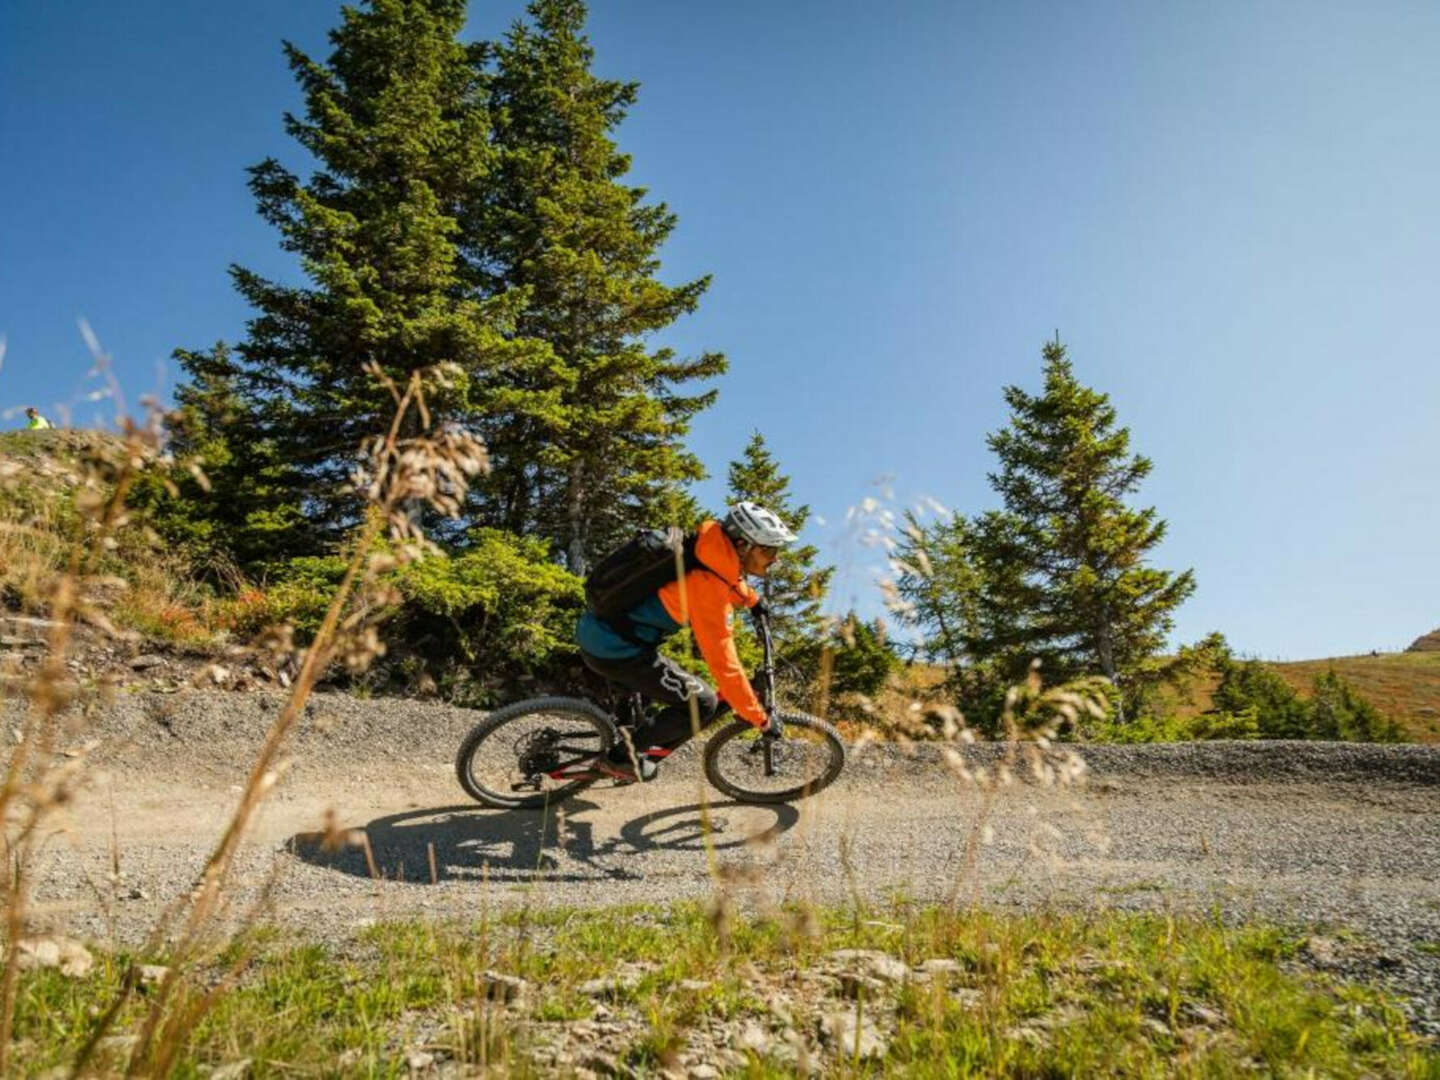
[519, 756]
[806, 760]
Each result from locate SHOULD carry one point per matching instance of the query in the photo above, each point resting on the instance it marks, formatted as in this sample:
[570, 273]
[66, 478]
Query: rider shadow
[518, 846]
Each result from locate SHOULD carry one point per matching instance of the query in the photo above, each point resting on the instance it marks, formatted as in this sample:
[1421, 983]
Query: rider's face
[758, 559]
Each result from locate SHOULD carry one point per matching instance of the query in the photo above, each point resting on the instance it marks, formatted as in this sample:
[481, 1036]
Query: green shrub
[1248, 685]
[1338, 712]
[1253, 701]
[500, 611]
[474, 626]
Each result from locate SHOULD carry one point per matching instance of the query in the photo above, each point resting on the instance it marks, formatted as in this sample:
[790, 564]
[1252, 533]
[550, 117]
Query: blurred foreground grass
[704, 992]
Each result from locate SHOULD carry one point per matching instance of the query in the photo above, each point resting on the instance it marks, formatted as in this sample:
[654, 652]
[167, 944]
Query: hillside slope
[1404, 686]
[1426, 643]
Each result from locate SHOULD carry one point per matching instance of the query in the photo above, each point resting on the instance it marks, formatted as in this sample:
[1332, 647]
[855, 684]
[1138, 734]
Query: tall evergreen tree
[397, 120]
[1064, 561]
[794, 590]
[943, 593]
[588, 444]
[939, 587]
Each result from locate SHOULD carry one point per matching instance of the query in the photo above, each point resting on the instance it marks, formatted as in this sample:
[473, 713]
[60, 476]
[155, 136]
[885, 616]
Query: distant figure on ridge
[37, 422]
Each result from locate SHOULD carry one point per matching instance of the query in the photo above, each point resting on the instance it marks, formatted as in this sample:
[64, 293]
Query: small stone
[611, 987]
[601, 1064]
[152, 973]
[235, 1070]
[941, 968]
[968, 998]
[137, 893]
[704, 1071]
[72, 958]
[843, 1039]
[873, 963]
[1156, 1027]
[350, 1058]
[419, 1059]
[115, 1045]
[751, 1037]
[1204, 1015]
[694, 986]
[500, 987]
[854, 985]
[148, 660]
[1323, 951]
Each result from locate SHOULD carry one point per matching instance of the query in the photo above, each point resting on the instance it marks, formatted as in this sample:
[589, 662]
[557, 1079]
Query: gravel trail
[1326, 837]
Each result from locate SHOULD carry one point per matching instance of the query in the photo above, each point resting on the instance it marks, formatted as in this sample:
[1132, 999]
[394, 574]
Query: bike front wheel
[533, 753]
[746, 766]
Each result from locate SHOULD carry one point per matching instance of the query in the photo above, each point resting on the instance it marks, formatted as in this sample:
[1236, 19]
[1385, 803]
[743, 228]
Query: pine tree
[1064, 561]
[253, 517]
[397, 120]
[942, 592]
[939, 588]
[588, 444]
[794, 590]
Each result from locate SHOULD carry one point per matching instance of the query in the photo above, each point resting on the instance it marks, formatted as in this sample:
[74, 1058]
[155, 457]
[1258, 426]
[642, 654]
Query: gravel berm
[1340, 842]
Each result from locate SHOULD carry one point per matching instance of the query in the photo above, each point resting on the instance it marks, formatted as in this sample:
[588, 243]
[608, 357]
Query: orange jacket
[705, 598]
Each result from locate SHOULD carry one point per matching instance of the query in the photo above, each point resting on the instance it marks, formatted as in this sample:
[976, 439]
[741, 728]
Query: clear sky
[1228, 210]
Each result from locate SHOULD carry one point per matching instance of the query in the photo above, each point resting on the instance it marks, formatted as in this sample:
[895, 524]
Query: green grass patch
[1100, 994]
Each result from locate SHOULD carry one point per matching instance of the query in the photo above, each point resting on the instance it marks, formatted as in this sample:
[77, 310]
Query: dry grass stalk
[37, 782]
[1032, 716]
[400, 473]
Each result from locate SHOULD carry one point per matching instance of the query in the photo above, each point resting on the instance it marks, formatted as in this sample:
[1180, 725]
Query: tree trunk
[575, 513]
[1105, 645]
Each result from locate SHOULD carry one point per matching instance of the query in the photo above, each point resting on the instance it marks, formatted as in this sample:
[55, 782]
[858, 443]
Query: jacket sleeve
[709, 617]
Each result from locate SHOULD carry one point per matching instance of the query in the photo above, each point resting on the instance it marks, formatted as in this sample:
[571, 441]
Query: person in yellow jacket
[37, 422]
[747, 541]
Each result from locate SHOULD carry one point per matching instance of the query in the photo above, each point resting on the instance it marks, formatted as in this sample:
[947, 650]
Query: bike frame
[765, 745]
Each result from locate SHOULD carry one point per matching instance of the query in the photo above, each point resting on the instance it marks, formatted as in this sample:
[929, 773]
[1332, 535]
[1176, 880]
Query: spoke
[536, 751]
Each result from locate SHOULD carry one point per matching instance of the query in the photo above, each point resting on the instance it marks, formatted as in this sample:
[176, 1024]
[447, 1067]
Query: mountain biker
[746, 541]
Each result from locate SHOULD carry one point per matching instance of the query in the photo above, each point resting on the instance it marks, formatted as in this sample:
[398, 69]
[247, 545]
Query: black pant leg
[661, 679]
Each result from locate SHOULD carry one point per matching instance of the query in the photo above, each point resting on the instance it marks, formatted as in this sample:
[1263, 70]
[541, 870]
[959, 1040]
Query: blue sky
[1227, 210]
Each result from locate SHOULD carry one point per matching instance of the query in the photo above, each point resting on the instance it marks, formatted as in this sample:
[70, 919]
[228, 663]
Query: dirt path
[1336, 836]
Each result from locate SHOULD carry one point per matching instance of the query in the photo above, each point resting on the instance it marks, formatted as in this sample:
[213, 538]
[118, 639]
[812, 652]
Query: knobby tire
[493, 727]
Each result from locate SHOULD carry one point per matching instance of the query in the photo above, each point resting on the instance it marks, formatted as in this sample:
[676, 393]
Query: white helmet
[749, 521]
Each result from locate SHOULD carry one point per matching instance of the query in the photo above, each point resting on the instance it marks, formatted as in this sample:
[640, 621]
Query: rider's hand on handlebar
[758, 610]
[774, 727]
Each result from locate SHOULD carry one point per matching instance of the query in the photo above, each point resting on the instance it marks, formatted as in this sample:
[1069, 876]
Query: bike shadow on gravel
[556, 845]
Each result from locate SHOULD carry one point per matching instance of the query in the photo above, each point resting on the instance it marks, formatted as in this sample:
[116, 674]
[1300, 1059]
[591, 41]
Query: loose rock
[838, 1032]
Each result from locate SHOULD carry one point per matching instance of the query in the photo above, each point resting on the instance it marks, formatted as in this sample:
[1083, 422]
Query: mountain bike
[540, 752]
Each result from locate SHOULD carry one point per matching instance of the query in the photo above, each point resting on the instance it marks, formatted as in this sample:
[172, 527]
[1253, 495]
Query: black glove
[774, 728]
[759, 611]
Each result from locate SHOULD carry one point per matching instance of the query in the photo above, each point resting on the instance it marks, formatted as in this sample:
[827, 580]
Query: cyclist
[747, 541]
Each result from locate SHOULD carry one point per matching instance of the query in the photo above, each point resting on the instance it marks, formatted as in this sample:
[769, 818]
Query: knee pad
[709, 702]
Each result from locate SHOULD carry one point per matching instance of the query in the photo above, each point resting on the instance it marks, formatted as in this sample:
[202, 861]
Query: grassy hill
[1404, 686]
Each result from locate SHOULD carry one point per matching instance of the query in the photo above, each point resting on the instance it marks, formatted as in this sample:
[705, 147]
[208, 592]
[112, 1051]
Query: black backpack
[635, 571]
